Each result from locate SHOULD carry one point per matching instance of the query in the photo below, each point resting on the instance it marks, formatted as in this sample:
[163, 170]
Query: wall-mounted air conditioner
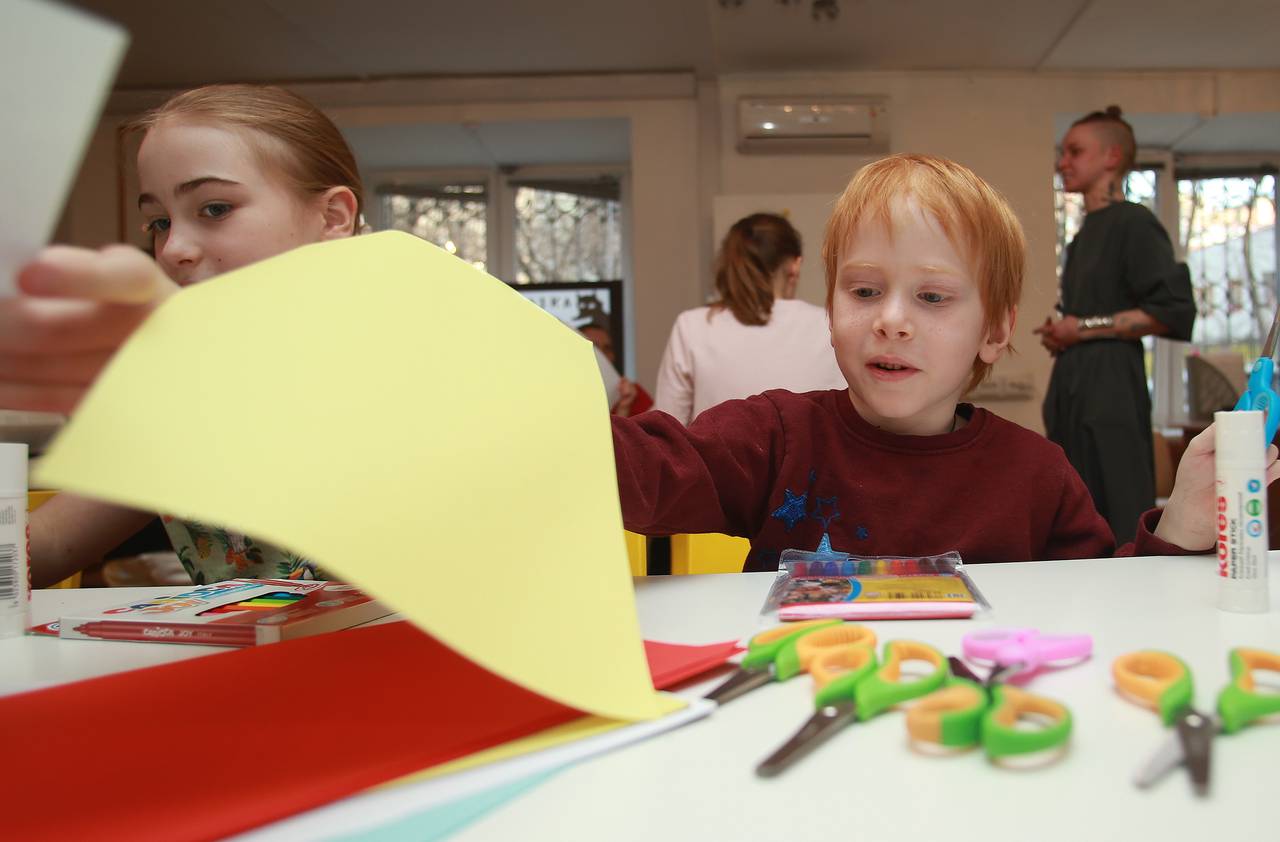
[813, 124]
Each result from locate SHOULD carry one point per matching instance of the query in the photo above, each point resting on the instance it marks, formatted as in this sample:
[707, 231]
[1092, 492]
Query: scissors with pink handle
[1025, 649]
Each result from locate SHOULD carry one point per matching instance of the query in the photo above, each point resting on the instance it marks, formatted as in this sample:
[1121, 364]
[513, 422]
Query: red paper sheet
[205, 748]
[672, 663]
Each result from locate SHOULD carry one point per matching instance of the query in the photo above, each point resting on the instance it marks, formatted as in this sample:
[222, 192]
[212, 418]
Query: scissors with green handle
[969, 711]
[783, 652]
[1163, 682]
[852, 686]
[1259, 395]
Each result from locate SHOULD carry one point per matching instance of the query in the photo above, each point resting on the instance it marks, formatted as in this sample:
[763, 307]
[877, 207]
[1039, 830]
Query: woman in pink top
[757, 336]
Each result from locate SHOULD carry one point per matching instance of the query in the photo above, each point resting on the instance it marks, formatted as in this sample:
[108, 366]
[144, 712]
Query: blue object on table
[1258, 394]
[440, 822]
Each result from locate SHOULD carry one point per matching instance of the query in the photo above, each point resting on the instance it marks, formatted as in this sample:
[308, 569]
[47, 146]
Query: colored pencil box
[829, 585]
[237, 612]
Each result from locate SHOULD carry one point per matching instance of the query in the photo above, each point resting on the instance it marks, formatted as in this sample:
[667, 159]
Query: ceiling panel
[178, 45]
[1182, 34]
[889, 34]
[428, 37]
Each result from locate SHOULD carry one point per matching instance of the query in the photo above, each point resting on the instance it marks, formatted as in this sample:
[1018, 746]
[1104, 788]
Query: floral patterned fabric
[213, 554]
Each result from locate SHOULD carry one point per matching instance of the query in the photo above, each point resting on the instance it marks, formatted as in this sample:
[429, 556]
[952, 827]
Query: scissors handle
[1025, 647]
[1156, 679]
[771, 656]
[837, 671]
[1259, 396]
[949, 717]
[778, 643]
[885, 688]
[838, 636]
[983, 645]
[1239, 703]
[1001, 735]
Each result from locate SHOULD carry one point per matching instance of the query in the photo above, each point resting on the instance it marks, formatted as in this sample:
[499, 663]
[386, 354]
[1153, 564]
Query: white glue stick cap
[13, 470]
[1236, 437]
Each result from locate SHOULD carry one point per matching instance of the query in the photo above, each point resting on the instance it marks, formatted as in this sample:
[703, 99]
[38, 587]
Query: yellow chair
[637, 552]
[36, 499]
[708, 552]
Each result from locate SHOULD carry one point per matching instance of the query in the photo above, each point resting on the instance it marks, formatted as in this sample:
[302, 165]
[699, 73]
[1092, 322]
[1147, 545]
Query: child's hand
[78, 307]
[1189, 518]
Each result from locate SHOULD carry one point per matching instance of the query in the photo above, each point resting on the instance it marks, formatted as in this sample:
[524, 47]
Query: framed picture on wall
[581, 304]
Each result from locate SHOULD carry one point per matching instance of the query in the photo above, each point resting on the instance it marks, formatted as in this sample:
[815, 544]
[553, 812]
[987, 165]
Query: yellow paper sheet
[408, 422]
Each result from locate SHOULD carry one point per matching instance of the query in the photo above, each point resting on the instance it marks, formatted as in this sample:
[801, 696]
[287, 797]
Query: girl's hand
[76, 308]
[1189, 518]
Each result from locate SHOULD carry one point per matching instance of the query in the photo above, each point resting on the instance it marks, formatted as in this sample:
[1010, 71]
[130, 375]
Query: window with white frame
[561, 229]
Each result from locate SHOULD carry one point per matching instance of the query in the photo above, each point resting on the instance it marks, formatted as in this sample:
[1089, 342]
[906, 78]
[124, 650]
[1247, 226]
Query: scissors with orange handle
[783, 652]
[969, 711]
[1161, 681]
[852, 686]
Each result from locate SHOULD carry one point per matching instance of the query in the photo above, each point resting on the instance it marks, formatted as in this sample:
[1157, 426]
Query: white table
[867, 784]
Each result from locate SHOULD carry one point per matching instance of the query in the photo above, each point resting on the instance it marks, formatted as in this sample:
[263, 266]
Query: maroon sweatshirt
[788, 471]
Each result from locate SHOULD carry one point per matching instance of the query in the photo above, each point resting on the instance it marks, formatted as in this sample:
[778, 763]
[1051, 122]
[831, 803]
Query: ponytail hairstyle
[292, 135]
[1115, 131]
[751, 254]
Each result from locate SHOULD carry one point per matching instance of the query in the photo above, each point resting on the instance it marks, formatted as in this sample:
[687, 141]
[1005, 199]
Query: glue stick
[1241, 511]
[15, 593]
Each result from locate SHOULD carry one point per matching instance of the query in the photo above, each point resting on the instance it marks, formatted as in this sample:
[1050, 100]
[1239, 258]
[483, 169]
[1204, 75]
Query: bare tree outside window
[1229, 238]
[451, 216]
[568, 231]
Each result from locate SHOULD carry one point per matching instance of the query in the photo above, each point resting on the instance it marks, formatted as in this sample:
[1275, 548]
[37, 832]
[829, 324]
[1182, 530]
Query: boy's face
[907, 323]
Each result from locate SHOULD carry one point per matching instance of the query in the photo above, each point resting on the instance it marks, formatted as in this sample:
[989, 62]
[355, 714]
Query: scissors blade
[741, 683]
[1196, 732]
[1163, 760]
[961, 670]
[1173, 752]
[824, 723]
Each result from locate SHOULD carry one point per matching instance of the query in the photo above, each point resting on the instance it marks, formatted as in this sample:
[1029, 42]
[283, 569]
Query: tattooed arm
[1070, 330]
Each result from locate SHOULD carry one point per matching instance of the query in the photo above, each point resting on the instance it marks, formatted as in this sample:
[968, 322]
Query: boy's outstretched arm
[1188, 518]
[713, 476]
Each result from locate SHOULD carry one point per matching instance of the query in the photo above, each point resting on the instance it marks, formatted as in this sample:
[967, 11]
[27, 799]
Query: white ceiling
[184, 43]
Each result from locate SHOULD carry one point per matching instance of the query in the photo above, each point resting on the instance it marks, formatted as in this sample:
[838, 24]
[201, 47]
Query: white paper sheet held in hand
[56, 67]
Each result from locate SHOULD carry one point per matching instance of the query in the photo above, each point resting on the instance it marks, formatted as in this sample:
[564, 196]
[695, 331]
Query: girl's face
[211, 206]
